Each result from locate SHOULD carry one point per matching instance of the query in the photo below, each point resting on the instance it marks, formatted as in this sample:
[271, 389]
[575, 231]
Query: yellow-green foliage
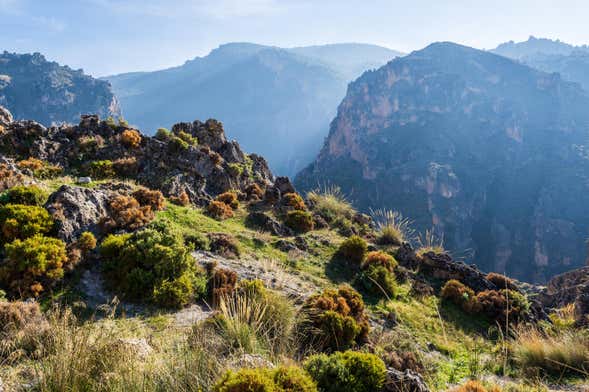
[348, 371]
[187, 138]
[151, 265]
[378, 280]
[299, 221]
[30, 195]
[392, 228]
[330, 204]
[336, 319]
[101, 169]
[281, 379]
[40, 169]
[33, 264]
[22, 221]
[540, 354]
[87, 241]
[353, 250]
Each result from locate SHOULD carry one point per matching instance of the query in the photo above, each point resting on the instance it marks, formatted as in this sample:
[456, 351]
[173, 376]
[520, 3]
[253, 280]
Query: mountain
[571, 62]
[32, 87]
[488, 151]
[276, 102]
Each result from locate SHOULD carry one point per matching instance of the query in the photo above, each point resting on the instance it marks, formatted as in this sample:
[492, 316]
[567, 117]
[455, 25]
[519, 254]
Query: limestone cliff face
[488, 151]
[32, 87]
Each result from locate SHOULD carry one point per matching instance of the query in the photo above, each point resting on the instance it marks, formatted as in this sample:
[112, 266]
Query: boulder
[284, 185]
[264, 222]
[407, 381]
[77, 209]
[569, 288]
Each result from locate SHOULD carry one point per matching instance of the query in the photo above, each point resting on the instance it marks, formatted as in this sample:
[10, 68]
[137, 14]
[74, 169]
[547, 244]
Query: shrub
[177, 144]
[131, 138]
[150, 264]
[33, 264]
[110, 122]
[459, 294]
[254, 192]
[123, 122]
[162, 134]
[475, 386]
[392, 228]
[224, 244]
[182, 199]
[29, 195]
[235, 169]
[378, 280]
[40, 169]
[87, 241]
[330, 204]
[22, 221]
[126, 213]
[501, 281]
[299, 221]
[152, 198]
[126, 167]
[219, 210]
[336, 319]
[281, 379]
[229, 198]
[294, 201]
[101, 169]
[196, 241]
[380, 258]
[221, 283]
[187, 138]
[502, 305]
[353, 250]
[9, 177]
[348, 371]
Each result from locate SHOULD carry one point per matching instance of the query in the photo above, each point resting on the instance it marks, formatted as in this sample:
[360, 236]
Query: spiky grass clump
[540, 354]
[330, 203]
[430, 242]
[392, 227]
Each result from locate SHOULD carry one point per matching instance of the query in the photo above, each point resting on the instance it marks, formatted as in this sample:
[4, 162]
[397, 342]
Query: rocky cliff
[490, 152]
[32, 87]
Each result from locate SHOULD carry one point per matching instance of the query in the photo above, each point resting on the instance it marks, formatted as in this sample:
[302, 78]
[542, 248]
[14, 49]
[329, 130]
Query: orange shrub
[380, 258]
[229, 198]
[295, 201]
[219, 210]
[254, 192]
[131, 138]
[127, 213]
[152, 198]
[459, 294]
[9, 178]
[222, 283]
[501, 281]
[181, 200]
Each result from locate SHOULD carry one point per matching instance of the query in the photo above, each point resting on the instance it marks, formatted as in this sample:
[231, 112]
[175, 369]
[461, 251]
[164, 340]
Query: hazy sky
[113, 36]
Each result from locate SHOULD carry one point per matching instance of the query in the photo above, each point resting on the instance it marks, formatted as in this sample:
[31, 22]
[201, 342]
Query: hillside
[32, 87]
[277, 102]
[475, 145]
[180, 263]
[571, 62]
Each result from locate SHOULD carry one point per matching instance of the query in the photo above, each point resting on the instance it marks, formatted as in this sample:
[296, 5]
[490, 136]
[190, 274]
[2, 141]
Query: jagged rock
[441, 266]
[406, 256]
[285, 246]
[569, 288]
[262, 221]
[284, 185]
[407, 381]
[5, 116]
[77, 209]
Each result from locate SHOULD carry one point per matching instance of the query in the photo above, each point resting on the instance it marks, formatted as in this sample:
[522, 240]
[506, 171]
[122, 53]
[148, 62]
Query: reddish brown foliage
[152, 198]
[219, 210]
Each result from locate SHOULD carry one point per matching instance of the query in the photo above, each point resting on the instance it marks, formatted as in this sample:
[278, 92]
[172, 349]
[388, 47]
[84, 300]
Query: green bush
[299, 221]
[153, 265]
[196, 241]
[378, 280]
[87, 241]
[177, 144]
[22, 221]
[33, 264]
[336, 319]
[281, 379]
[188, 138]
[29, 195]
[459, 294]
[380, 258]
[101, 169]
[348, 371]
[353, 250]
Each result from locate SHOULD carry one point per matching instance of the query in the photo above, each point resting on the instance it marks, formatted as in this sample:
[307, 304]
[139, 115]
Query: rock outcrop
[33, 88]
[203, 168]
[491, 153]
[569, 288]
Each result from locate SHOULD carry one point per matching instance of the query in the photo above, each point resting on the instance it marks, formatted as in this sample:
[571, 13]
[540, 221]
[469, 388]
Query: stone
[407, 381]
[284, 185]
[441, 266]
[262, 221]
[5, 116]
[84, 180]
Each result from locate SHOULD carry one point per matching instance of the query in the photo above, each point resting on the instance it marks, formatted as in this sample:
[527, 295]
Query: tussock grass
[330, 203]
[430, 242]
[392, 227]
[541, 354]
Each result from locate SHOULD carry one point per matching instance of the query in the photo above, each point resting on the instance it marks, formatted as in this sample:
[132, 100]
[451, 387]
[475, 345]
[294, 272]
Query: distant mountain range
[274, 101]
[486, 150]
[571, 62]
[33, 88]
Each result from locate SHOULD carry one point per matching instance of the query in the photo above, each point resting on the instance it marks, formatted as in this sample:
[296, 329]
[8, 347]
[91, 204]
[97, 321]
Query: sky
[106, 37]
